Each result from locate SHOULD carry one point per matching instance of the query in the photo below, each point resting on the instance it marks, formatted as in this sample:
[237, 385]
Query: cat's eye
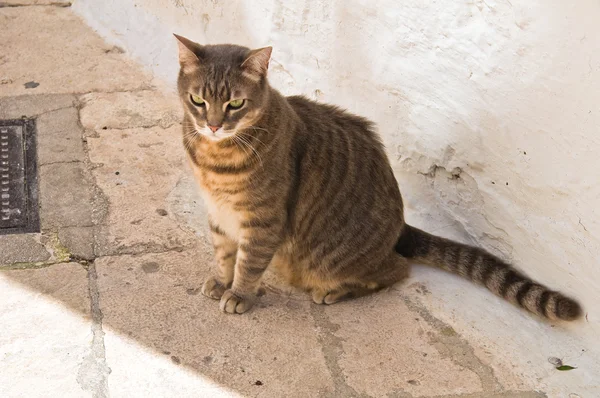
[236, 104]
[196, 100]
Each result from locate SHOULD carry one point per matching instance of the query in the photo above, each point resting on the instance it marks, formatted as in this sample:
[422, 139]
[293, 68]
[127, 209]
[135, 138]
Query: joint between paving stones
[453, 343]
[94, 370]
[332, 349]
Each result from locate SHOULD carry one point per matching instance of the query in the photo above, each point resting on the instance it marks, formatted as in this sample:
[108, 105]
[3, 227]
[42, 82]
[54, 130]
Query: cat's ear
[257, 62]
[188, 53]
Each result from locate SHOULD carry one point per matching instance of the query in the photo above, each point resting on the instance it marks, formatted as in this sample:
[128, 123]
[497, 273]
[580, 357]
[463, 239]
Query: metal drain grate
[18, 177]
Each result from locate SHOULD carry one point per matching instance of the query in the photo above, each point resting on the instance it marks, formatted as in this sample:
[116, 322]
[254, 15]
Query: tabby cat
[307, 189]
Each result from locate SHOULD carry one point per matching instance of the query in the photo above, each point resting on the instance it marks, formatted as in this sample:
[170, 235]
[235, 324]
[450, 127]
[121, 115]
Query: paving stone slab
[390, 348]
[145, 108]
[23, 248]
[136, 169]
[79, 241]
[154, 301]
[66, 195]
[76, 60]
[60, 137]
[32, 105]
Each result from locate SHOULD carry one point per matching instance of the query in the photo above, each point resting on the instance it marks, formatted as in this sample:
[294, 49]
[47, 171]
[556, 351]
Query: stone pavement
[105, 301]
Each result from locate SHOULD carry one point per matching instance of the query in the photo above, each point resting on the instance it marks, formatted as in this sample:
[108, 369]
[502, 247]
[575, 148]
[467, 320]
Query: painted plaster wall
[490, 110]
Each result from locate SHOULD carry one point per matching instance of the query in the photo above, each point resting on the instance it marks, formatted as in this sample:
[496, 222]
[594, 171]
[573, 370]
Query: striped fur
[307, 189]
[488, 270]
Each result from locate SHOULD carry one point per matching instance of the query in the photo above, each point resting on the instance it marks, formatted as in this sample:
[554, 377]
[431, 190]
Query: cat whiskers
[250, 136]
[237, 141]
[244, 141]
[259, 128]
[189, 125]
[189, 138]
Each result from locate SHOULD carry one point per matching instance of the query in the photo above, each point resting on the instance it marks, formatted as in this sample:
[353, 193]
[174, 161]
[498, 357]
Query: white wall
[490, 109]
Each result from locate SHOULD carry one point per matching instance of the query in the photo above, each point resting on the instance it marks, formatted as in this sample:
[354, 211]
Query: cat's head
[223, 88]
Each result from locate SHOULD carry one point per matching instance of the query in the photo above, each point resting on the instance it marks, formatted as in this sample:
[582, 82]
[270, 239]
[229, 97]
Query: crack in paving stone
[140, 249]
[504, 394]
[160, 124]
[8, 109]
[100, 202]
[14, 5]
[143, 87]
[93, 372]
[138, 254]
[36, 115]
[452, 346]
[60, 162]
[332, 349]
[51, 110]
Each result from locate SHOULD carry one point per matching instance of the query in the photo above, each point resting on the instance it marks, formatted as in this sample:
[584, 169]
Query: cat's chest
[223, 214]
[221, 193]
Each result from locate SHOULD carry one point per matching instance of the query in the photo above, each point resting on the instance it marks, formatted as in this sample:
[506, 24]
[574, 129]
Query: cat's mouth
[218, 135]
[212, 134]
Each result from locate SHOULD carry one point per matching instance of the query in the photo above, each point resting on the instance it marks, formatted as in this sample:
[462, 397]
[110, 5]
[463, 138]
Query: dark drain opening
[18, 177]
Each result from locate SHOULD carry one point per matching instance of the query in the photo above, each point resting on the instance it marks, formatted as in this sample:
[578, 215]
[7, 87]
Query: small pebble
[555, 361]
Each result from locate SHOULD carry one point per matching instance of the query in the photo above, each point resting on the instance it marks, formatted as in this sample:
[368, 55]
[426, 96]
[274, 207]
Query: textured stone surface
[79, 241]
[293, 347]
[155, 301]
[515, 345]
[66, 195]
[139, 370]
[136, 170]
[146, 108]
[36, 2]
[59, 137]
[74, 61]
[391, 348]
[45, 328]
[34, 105]
[22, 249]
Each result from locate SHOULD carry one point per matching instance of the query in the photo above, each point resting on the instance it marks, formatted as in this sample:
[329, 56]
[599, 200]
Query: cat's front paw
[233, 303]
[213, 288]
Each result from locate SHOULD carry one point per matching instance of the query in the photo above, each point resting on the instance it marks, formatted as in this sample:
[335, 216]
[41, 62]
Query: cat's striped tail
[488, 270]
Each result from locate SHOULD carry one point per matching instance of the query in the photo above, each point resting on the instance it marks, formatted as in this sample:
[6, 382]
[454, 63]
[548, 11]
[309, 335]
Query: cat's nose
[214, 128]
